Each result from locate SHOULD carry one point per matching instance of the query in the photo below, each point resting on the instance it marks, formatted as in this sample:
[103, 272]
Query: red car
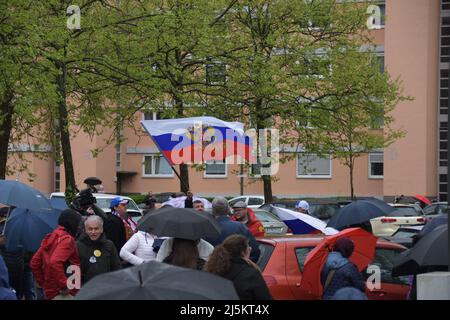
[282, 260]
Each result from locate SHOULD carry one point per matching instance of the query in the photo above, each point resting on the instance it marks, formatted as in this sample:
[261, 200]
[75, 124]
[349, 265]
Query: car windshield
[105, 203]
[404, 212]
[265, 216]
[384, 262]
[324, 211]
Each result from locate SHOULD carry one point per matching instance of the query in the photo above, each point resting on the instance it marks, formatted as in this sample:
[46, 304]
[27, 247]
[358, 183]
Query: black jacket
[248, 281]
[114, 230]
[96, 257]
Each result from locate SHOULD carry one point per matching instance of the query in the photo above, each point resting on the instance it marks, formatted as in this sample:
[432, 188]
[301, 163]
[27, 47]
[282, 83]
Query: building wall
[411, 36]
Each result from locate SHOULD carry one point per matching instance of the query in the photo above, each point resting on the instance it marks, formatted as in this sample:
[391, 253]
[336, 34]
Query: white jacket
[204, 249]
[139, 248]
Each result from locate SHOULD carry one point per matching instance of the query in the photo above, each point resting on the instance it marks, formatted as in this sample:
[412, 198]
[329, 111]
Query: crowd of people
[99, 242]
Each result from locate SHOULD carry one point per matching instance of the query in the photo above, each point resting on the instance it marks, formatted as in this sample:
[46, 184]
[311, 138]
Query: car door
[390, 288]
[295, 259]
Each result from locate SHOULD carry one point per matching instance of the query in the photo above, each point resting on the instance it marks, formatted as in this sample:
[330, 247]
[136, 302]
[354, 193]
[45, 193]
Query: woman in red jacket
[58, 251]
[246, 216]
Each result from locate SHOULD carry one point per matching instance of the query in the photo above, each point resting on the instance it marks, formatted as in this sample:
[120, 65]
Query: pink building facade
[410, 42]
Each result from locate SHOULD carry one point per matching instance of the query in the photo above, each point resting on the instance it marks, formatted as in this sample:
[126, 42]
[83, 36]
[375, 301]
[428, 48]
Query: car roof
[97, 195]
[312, 239]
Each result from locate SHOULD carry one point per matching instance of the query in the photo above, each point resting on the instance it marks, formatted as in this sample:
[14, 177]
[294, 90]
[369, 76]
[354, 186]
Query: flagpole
[169, 162]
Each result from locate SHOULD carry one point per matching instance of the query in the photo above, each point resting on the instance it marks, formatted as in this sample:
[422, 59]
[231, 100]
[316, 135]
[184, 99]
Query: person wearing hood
[58, 250]
[6, 293]
[247, 217]
[97, 254]
[339, 272]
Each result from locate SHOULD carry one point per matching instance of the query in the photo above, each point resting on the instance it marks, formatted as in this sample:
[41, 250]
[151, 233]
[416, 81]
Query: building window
[156, 166]
[57, 181]
[313, 166]
[376, 164]
[215, 169]
[378, 15]
[215, 73]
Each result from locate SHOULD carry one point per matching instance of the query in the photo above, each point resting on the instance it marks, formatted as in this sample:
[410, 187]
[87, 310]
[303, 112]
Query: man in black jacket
[97, 254]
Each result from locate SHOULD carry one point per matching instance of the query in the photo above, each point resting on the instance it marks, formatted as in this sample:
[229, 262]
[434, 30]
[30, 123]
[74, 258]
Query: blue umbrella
[26, 228]
[17, 194]
[358, 212]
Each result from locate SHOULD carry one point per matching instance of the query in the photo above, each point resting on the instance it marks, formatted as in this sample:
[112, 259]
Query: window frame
[215, 176]
[153, 175]
[312, 176]
[371, 176]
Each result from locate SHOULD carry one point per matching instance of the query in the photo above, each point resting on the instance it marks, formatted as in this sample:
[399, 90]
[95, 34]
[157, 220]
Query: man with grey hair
[221, 211]
[97, 254]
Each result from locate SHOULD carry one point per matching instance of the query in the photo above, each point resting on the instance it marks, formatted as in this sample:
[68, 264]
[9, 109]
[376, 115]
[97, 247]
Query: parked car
[103, 201]
[282, 260]
[271, 222]
[405, 235]
[404, 214]
[435, 209]
[320, 210]
[252, 201]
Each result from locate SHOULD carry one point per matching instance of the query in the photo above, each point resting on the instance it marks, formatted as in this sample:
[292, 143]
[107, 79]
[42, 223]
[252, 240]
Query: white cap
[302, 205]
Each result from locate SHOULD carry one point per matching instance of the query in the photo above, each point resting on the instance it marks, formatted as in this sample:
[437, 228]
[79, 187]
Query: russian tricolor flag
[301, 223]
[198, 139]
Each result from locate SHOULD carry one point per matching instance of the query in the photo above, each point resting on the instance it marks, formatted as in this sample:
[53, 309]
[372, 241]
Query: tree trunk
[267, 189]
[352, 193]
[63, 119]
[5, 133]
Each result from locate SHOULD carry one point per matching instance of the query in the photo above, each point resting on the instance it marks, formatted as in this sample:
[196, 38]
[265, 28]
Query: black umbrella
[180, 223]
[433, 224]
[92, 181]
[429, 252]
[358, 212]
[158, 281]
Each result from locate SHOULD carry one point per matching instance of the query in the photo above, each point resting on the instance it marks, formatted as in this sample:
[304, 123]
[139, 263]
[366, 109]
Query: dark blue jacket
[228, 228]
[346, 275]
[5, 291]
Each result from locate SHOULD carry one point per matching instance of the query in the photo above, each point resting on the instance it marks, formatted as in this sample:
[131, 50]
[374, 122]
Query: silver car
[272, 224]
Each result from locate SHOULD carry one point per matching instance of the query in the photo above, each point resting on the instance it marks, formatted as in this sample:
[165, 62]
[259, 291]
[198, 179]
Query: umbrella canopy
[17, 194]
[422, 198]
[363, 254]
[180, 223]
[358, 212]
[26, 228]
[301, 223]
[429, 251]
[158, 281]
[92, 181]
[433, 224]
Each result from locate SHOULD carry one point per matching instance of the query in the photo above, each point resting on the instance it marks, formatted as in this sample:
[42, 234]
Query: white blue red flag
[301, 223]
[199, 139]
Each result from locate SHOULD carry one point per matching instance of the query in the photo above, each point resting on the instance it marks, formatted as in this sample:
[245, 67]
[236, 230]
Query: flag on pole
[199, 139]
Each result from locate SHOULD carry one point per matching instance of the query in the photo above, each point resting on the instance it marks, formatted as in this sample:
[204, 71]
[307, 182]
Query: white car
[252, 201]
[103, 201]
[404, 215]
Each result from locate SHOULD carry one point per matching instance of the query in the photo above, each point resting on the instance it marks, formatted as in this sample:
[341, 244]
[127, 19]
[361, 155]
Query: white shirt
[139, 248]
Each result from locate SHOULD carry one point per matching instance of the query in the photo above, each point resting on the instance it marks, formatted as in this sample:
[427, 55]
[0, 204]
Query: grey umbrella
[180, 223]
[429, 252]
[158, 281]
